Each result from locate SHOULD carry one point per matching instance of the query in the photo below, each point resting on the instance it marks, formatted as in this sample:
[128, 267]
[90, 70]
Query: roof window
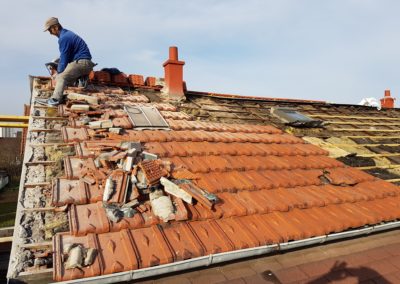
[146, 117]
[294, 118]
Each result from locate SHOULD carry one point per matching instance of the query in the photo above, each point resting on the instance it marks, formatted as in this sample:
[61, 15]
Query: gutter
[211, 259]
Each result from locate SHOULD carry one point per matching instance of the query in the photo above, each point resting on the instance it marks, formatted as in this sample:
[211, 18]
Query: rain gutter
[228, 256]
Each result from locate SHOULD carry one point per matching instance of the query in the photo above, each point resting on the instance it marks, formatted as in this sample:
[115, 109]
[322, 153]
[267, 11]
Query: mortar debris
[34, 198]
[35, 174]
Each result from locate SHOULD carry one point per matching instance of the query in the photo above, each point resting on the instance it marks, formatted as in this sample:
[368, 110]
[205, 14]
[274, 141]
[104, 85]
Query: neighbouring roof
[273, 187]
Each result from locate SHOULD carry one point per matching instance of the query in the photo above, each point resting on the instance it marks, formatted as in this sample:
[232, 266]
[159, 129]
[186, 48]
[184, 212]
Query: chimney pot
[173, 53]
[387, 101]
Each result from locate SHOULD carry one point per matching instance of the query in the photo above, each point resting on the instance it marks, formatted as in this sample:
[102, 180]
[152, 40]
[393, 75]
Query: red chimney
[173, 78]
[387, 101]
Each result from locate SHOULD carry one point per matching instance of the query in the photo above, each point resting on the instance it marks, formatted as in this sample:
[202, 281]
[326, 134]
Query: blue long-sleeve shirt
[72, 47]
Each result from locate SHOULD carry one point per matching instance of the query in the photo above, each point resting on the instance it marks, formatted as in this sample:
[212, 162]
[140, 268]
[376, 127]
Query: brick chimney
[173, 77]
[387, 101]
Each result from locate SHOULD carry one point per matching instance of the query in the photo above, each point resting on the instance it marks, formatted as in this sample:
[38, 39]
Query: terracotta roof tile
[69, 192]
[60, 243]
[75, 167]
[118, 252]
[90, 218]
[74, 134]
[231, 205]
[261, 229]
[243, 238]
[184, 244]
[211, 237]
[152, 247]
[272, 187]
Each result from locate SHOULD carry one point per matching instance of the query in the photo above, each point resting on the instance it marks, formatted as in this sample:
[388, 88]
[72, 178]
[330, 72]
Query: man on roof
[75, 59]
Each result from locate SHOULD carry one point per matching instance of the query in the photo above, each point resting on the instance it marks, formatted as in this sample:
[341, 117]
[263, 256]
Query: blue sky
[339, 50]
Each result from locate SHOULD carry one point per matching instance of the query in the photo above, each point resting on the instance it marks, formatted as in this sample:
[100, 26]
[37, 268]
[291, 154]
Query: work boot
[53, 102]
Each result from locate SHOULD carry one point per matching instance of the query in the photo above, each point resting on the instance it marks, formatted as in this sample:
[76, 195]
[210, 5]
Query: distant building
[8, 132]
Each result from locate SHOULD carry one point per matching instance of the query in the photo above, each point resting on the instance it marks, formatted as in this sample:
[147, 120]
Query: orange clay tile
[348, 175]
[325, 162]
[184, 244]
[75, 167]
[102, 76]
[117, 252]
[230, 205]
[70, 134]
[131, 135]
[253, 204]
[261, 181]
[261, 229]
[156, 135]
[152, 248]
[66, 191]
[122, 122]
[150, 81]
[205, 213]
[211, 237]
[239, 236]
[152, 170]
[367, 216]
[149, 218]
[134, 222]
[326, 224]
[82, 151]
[89, 218]
[100, 145]
[157, 149]
[196, 165]
[329, 197]
[180, 172]
[347, 221]
[193, 214]
[340, 193]
[374, 189]
[309, 149]
[211, 163]
[283, 225]
[120, 79]
[314, 227]
[385, 210]
[121, 182]
[196, 191]
[181, 213]
[63, 240]
[95, 193]
[136, 79]
[305, 198]
[281, 199]
[226, 137]
[275, 200]
[279, 178]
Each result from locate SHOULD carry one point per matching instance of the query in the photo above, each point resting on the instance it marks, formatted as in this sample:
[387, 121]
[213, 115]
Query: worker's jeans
[72, 72]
